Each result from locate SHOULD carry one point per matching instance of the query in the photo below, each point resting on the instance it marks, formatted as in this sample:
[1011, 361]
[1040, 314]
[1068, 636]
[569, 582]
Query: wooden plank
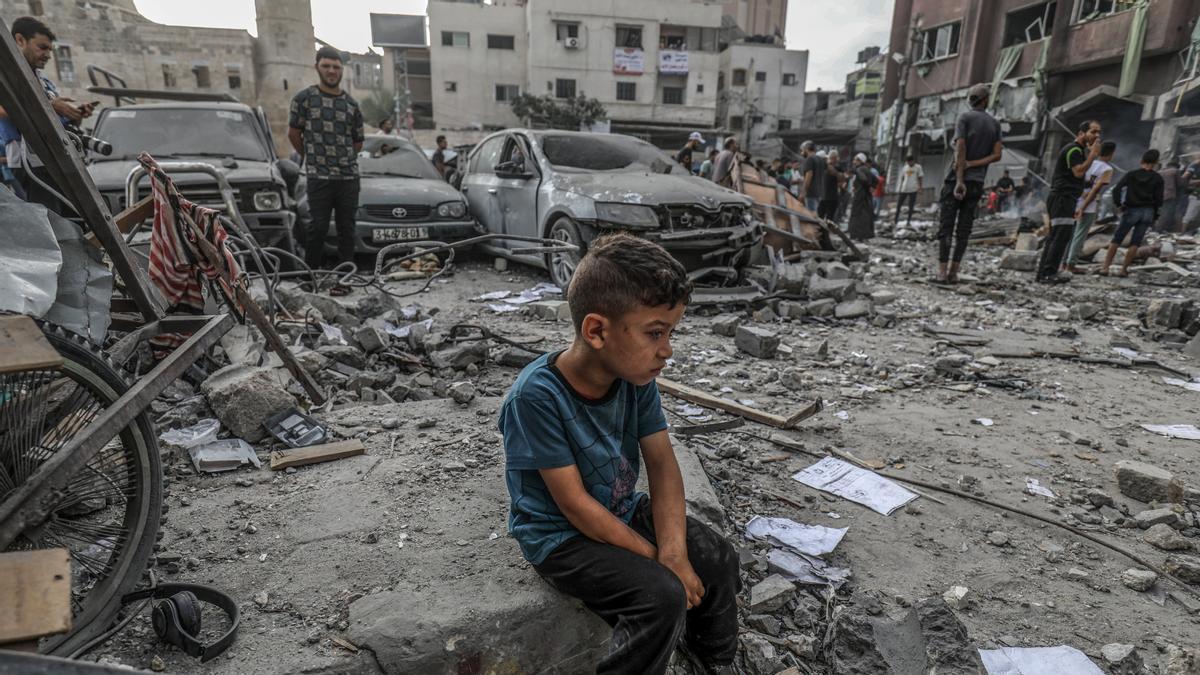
[127, 219]
[313, 454]
[24, 347]
[707, 400]
[36, 587]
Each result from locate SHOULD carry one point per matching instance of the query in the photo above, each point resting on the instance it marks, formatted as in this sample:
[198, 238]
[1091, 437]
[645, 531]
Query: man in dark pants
[977, 143]
[325, 126]
[1066, 186]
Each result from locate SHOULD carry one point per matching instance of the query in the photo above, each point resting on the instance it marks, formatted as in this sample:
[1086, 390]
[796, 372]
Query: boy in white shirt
[1097, 179]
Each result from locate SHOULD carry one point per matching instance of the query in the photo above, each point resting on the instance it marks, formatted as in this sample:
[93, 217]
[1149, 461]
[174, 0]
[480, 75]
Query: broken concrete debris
[1147, 483]
[757, 342]
[243, 398]
[1139, 580]
[771, 594]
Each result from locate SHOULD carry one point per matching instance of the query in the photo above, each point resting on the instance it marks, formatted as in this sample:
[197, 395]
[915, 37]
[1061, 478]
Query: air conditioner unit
[571, 43]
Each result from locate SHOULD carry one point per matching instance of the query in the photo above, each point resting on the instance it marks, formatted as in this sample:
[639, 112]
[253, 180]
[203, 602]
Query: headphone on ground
[177, 618]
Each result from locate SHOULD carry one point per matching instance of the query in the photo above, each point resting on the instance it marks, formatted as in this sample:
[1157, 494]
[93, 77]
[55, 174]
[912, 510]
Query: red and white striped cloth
[177, 267]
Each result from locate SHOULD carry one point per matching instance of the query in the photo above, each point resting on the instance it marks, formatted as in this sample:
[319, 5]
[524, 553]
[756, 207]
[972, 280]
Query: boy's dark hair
[1107, 148]
[1151, 157]
[1084, 126]
[620, 272]
[383, 122]
[439, 139]
[328, 52]
[29, 27]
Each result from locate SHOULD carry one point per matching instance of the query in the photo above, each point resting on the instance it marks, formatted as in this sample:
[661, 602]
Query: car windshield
[599, 152]
[394, 158]
[182, 132]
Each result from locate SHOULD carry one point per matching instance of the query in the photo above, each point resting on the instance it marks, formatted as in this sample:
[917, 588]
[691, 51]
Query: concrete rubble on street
[405, 552]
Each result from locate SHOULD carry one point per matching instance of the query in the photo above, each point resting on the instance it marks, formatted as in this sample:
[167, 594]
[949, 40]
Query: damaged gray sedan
[574, 186]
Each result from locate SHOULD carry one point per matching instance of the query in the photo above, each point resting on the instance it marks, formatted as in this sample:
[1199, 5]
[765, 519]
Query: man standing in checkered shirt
[325, 125]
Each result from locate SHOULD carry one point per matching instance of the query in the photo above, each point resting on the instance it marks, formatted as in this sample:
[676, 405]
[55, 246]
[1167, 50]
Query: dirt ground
[425, 506]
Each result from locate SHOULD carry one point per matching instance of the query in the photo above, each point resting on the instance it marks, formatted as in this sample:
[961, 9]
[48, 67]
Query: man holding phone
[36, 42]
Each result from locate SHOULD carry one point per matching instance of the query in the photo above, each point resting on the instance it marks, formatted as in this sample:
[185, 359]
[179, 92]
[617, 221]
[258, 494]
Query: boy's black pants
[330, 198]
[645, 602]
[957, 219]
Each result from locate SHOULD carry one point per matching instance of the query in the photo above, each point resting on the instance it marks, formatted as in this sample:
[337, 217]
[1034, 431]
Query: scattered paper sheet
[1033, 487]
[495, 295]
[983, 421]
[1127, 353]
[1188, 431]
[404, 331]
[225, 455]
[809, 539]
[333, 333]
[1061, 660]
[858, 485]
[806, 569]
[500, 309]
[1190, 386]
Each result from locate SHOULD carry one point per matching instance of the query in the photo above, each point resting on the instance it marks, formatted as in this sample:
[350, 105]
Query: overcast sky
[832, 32]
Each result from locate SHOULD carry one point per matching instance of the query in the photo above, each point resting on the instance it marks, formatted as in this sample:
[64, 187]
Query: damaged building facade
[1051, 65]
[844, 120]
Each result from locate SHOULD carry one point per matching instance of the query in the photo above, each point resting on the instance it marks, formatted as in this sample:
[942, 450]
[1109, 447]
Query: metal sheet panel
[29, 257]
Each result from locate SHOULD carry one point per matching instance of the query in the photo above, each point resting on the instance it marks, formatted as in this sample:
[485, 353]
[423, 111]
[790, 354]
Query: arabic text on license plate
[400, 234]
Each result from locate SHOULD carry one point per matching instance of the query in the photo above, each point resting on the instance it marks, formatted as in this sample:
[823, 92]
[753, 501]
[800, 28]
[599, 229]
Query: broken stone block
[1019, 261]
[375, 304]
[460, 356]
[242, 398]
[1084, 311]
[1121, 659]
[551, 310]
[1192, 348]
[1146, 482]
[884, 318]
[834, 270]
[516, 358]
[725, 324]
[884, 297]
[1076, 574]
[838, 289]
[462, 392]
[344, 354]
[764, 315]
[852, 310]
[792, 279]
[757, 342]
[771, 594]
[929, 636]
[1165, 312]
[311, 361]
[1139, 580]
[759, 655]
[1165, 538]
[1148, 519]
[371, 339]
[823, 307]
[956, 597]
[791, 310]
[1185, 567]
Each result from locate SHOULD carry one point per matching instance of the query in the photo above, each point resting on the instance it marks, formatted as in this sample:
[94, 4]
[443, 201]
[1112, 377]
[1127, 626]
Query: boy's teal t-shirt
[546, 425]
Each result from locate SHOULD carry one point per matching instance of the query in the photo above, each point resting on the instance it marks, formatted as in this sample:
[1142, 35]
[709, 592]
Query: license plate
[399, 234]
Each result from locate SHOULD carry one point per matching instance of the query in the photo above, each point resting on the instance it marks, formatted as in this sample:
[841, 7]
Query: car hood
[396, 190]
[651, 189]
[110, 176]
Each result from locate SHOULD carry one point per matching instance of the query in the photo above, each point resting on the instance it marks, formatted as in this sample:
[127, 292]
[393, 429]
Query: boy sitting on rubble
[573, 425]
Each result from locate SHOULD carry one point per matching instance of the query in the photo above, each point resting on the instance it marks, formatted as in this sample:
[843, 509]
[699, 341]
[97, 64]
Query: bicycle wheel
[108, 515]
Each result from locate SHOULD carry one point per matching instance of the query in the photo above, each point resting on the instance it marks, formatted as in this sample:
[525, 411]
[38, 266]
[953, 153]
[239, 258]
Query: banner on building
[672, 62]
[629, 61]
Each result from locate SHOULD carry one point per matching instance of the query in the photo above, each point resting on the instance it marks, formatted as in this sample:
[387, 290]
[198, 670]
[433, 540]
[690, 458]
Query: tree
[376, 106]
[558, 113]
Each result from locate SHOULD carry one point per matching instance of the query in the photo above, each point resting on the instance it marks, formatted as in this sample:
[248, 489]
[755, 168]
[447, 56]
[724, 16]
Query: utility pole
[898, 104]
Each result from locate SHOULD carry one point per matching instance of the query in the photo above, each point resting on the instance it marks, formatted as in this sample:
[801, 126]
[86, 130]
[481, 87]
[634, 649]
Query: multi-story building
[113, 36]
[405, 68]
[1052, 64]
[844, 120]
[653, 65]
[758, 17]
[761, 87]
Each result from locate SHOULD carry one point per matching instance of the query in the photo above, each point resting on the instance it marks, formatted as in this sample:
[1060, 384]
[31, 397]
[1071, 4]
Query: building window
[500, 41]
[627, 91]
[456, 38]
[672, 95]
[1029, 24]
[168, 71]
[867, 121]
[739, 77]
[505, 93]
[234, 73]
[760, 76]
[35, 7]
[203, 79]
[939, 42]
[736, 122]
[563, 30]
[629, 36]
[62, 60]
[756, 119]
[564, 88]
[701, 39]
[784, 125]
[699, 88]
[451, 87]
[1087, 10]
[789, 79]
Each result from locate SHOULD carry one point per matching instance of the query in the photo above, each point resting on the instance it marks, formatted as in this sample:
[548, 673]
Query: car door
[517, 181]
[479, 184]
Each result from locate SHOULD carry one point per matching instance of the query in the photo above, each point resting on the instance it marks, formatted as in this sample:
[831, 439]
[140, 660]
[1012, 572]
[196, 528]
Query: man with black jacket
[1139, 196]
[1066, 186]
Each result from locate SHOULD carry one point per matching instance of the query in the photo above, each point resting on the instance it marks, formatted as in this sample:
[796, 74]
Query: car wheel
[562, 264]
